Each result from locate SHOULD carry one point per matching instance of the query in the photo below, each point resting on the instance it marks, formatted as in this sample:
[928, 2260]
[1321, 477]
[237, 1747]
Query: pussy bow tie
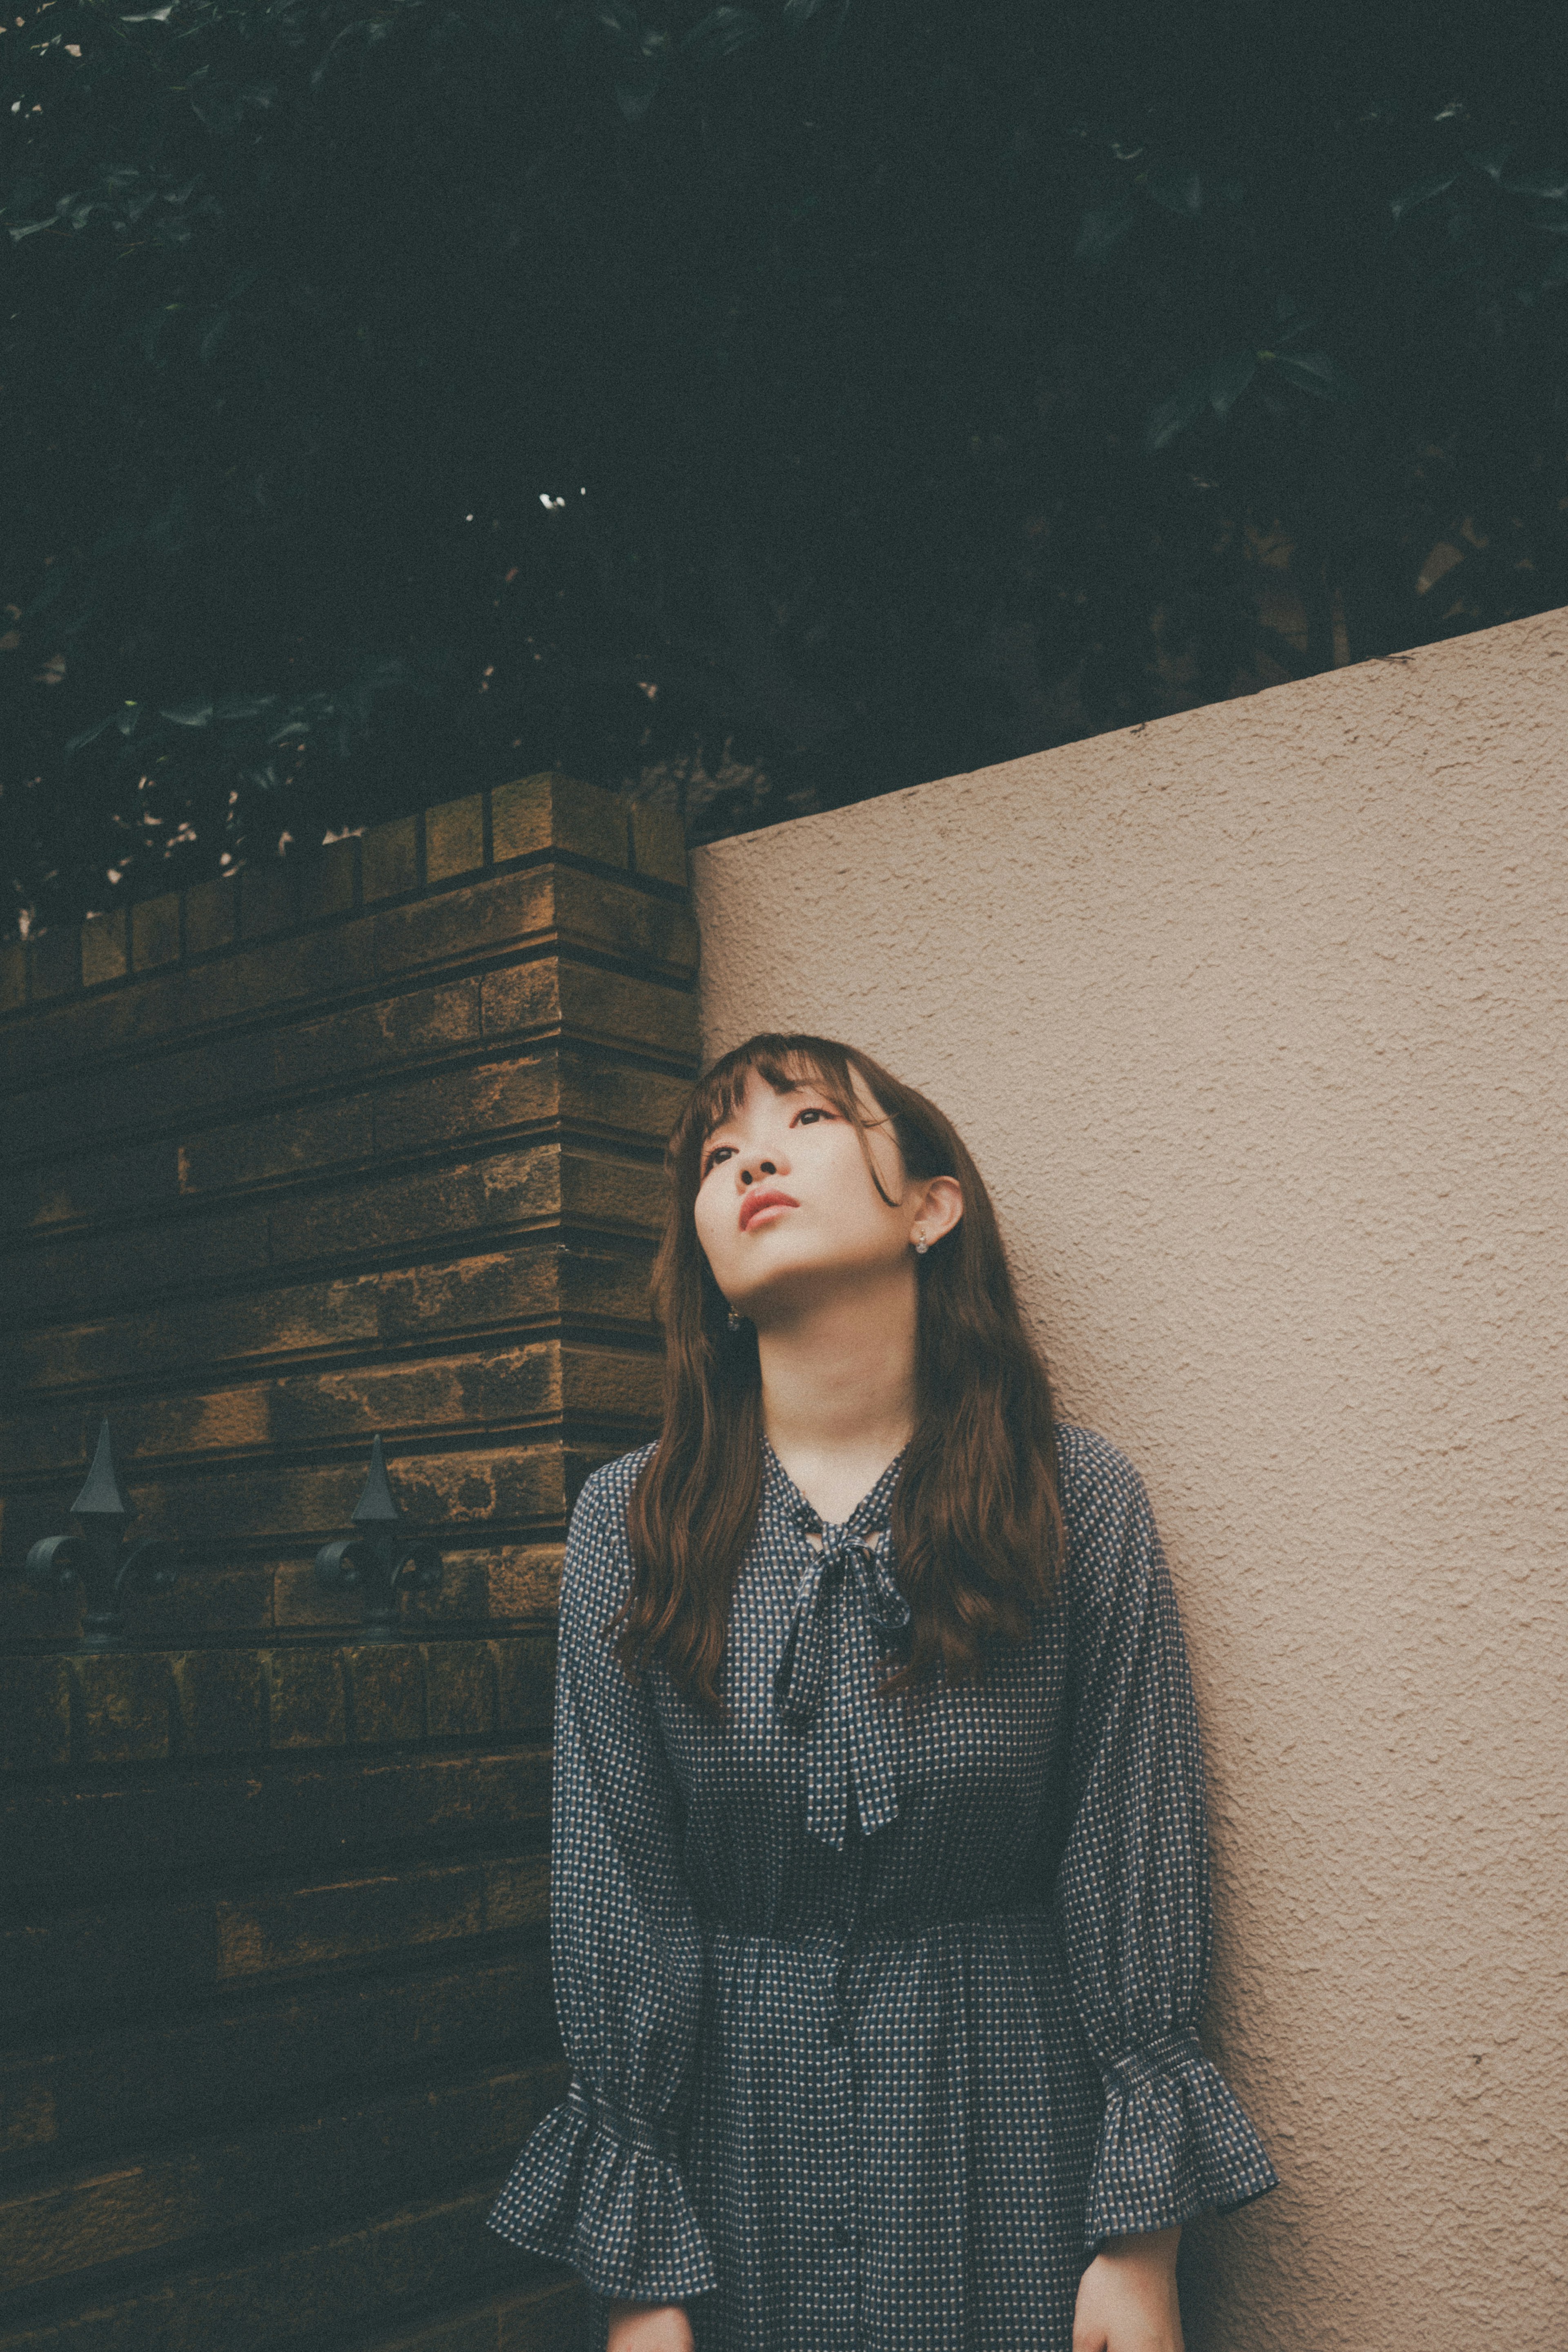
[847, 1610]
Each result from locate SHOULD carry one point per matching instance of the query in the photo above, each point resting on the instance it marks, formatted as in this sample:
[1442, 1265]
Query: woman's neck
[839, 1388]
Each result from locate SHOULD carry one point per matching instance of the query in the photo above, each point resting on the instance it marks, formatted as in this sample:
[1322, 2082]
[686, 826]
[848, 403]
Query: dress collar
[873, 1511]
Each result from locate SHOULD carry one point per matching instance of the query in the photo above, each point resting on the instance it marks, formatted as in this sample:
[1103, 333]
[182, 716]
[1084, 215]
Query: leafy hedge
[759, 407]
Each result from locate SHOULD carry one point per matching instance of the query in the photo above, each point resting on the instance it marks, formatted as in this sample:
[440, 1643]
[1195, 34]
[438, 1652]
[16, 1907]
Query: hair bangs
[782, 1061]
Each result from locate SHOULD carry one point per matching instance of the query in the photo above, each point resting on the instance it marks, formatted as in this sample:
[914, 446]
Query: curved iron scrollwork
[96, 1557]
[383, 1560]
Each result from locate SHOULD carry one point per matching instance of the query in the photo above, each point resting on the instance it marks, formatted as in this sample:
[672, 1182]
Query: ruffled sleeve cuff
[1173, 2144]
[599, 2191]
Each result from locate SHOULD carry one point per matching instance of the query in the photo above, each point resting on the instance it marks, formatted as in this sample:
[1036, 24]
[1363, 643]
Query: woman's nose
[752, 1169]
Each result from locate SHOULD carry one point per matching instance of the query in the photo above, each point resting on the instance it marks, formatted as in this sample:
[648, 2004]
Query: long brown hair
[977, 1516]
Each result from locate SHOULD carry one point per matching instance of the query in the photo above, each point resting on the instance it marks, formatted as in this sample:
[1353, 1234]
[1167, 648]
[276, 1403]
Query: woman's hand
[649, 2327]
[1127, 2296]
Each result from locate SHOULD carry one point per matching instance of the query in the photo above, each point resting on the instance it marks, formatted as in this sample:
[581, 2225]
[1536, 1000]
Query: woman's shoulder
[1093, 1468]
[597, 1565]
[1103, 1499]
[606, 1491]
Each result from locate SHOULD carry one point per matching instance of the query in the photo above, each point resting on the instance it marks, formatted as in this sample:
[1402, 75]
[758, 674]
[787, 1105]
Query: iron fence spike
[97, 1560]
[101, 1497]
[381, 1563]
[378, 1502]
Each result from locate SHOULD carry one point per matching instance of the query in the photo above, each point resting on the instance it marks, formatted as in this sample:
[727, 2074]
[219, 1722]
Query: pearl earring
[735, 1320]
[921, 1245]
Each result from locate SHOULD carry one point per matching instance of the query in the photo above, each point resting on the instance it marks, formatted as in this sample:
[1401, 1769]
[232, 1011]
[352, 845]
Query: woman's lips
[761, 1204]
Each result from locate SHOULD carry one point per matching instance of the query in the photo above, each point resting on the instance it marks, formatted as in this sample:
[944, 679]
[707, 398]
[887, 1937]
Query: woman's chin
[808, 1282]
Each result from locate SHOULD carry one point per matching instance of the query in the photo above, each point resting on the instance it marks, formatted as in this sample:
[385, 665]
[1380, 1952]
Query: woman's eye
[722, 1152]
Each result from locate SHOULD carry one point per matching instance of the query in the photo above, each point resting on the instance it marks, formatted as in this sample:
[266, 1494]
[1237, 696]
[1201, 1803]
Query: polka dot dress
[880, 2018]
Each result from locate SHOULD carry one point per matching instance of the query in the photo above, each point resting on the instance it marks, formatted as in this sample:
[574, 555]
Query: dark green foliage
[764, 406]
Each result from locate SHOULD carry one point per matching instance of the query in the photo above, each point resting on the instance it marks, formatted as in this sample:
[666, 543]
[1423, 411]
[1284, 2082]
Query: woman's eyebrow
[795, 1087]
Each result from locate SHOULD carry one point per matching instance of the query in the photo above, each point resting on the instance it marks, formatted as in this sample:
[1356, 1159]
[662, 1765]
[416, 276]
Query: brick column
[368, 1142]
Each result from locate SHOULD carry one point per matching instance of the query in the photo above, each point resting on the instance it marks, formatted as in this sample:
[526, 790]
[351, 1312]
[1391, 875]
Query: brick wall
[367, 1142]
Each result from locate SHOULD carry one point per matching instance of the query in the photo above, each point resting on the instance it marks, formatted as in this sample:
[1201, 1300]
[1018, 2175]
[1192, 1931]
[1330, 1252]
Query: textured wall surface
[1254, 1021]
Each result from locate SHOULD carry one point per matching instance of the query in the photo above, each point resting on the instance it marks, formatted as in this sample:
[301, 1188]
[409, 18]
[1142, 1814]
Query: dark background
[752, 408]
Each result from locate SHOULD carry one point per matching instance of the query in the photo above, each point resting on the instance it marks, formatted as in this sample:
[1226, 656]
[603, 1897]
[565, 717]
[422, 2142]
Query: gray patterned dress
[878, 2026]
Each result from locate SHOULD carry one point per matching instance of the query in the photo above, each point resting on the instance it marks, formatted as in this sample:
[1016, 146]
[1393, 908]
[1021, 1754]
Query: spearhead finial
[378, 1504]
[101, 1497]
[383, 1560]
[97, 1559]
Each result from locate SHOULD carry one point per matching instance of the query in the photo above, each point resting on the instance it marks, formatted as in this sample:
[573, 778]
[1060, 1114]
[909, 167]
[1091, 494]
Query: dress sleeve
[1132, 1891]
[598, 2183]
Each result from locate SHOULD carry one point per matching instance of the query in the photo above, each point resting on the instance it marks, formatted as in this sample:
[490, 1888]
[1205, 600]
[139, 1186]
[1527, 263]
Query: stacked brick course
[366, 1142]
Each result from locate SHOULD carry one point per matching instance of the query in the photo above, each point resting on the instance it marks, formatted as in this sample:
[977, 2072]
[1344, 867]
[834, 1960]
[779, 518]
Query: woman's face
[785, 1208]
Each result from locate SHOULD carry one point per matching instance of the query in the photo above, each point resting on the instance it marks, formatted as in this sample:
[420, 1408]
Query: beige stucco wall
[1254, 1021]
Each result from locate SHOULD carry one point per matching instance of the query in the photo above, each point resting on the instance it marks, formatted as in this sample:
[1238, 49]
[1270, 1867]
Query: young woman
[880, 1914]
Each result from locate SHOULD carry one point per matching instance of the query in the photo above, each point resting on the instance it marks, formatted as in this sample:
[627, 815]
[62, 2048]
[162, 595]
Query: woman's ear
[941, 1206]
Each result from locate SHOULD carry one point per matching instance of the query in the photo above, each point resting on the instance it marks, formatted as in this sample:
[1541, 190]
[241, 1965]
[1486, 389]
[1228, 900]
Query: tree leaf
[720, 34]
[1229, 379]
[188, 714]
[1489, 159]
[91, 734]
[1550, 183]
[620, 22]
[1103, 226]
[797, 12]
[1315, 371]
[1179, 190]
[1421, 194]
[1186, 403]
